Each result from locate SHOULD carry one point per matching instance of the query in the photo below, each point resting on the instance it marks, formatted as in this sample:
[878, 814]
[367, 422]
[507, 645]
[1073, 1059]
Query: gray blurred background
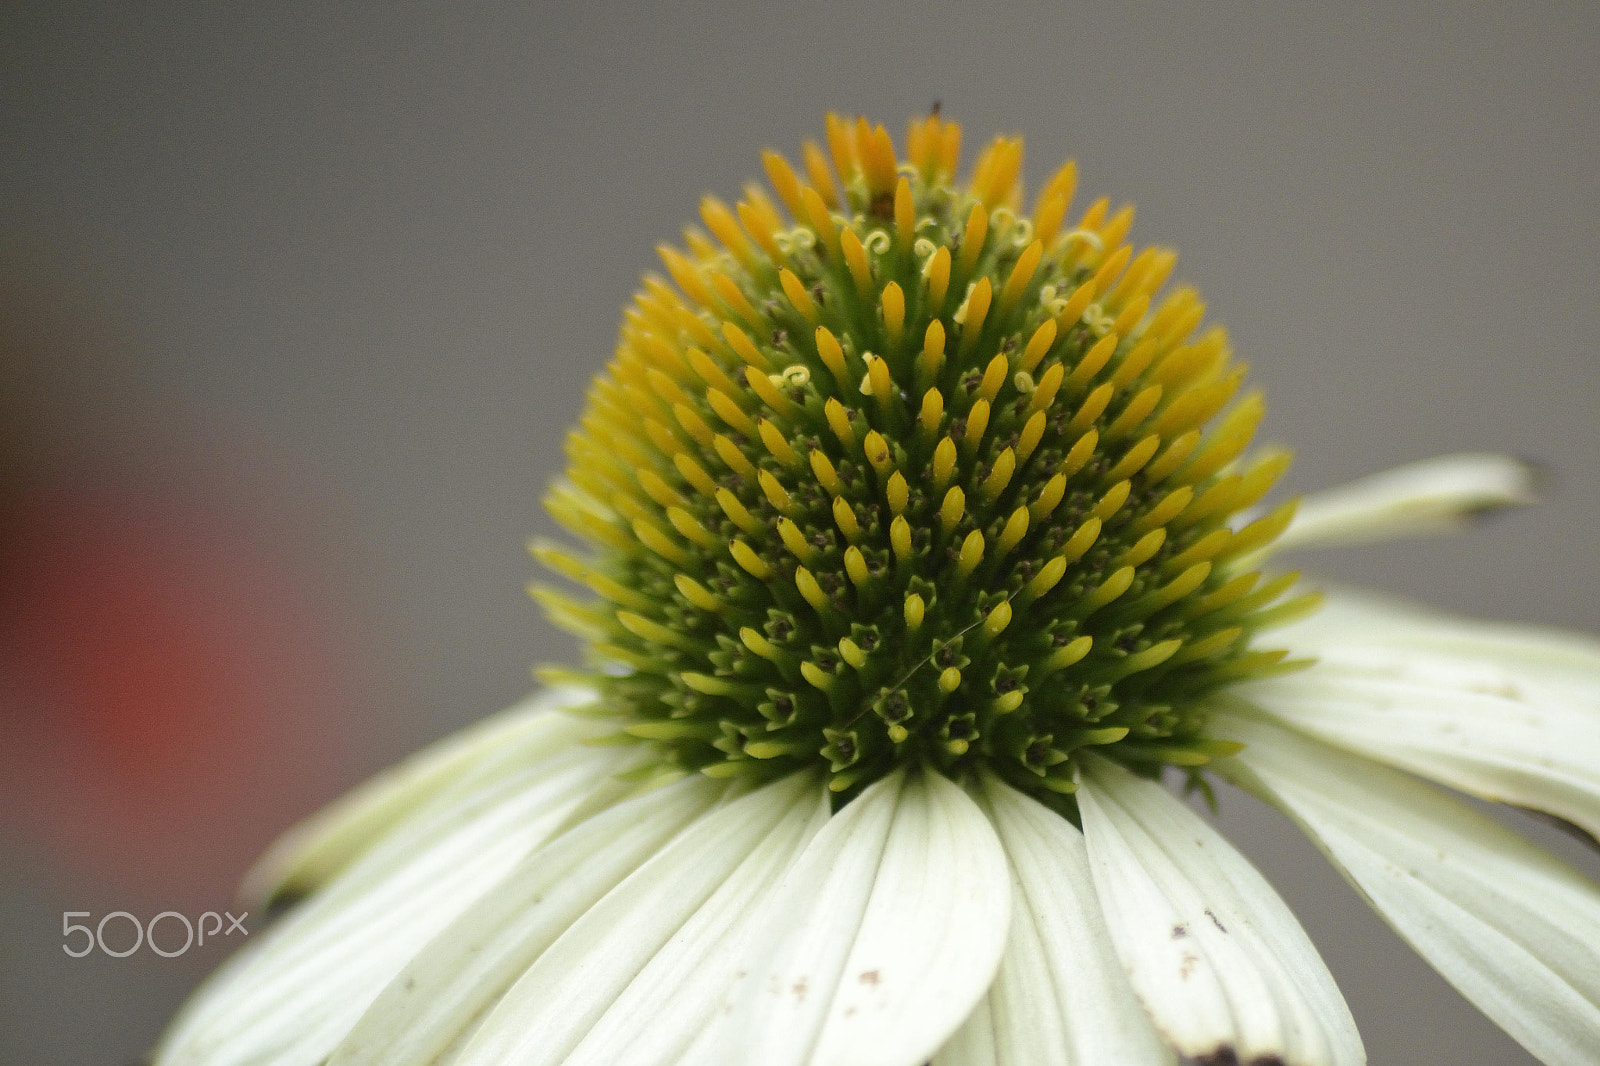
[297, 302]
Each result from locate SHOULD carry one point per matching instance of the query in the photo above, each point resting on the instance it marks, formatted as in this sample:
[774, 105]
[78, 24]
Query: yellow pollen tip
[775, 493]
[799, 299]
[832, 356]
[977, 311]
[1112, 501]
[777, 446]
[944, 463]
[696, 593]
[932, 411]
[994, 378]
[937, 275]
[900, 537]
[1005, 465]
[839, 422]
[950, 512]
[1047, 578]
[972, 239]
[897, 492]
[737, 514]
[1069, 654]
[1110, 589]
[1044, 505]
[826, 475]
[877, 453]
[760, 645]
[913, 612]
[1145, 547]
[977, 422]
[894, 314]
[1038, 346]
[809, 589]
[855, 565]
[1082, 540]
[794, 540]
[971, 553]
[1021, 275]
[844, 515]
[1016, 528]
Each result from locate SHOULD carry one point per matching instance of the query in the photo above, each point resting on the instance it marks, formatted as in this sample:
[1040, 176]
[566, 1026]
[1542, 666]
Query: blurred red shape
[172, 689]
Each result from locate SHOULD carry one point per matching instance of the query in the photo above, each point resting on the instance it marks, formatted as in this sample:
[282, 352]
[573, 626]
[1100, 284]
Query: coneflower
[922, 537]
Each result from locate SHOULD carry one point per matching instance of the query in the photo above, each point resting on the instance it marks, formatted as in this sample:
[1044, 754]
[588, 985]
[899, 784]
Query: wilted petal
[1431, 496]
[1502, 712]
[1505, 922]
[1212, 951]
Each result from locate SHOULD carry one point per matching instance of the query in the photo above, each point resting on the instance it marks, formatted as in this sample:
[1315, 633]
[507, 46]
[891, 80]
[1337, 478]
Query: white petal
[1062, 995]
[1502, 713]
[1572, 656]
[973, 1044]
[886, 934]
[676, 993]
[293, 994]
[1212, 951]
[1022, 1015]
[313, 851]
[462, 972]
[550, 1009]
[1506, 923]
[1431, 496]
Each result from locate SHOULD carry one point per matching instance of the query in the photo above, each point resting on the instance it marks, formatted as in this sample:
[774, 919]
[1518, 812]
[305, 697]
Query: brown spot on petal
[1223, 1056]
[1227, 1056]
[869, 977]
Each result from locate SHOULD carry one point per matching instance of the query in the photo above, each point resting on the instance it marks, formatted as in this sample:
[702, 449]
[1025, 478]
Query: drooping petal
[1061, 997]
[1571, 656]
[292, 995]
[1431, 496]
[1213, 952]
[313, 851]
[443, 992]
[884, 936]
[1501, 712]
[643, 967]
[1509, 925]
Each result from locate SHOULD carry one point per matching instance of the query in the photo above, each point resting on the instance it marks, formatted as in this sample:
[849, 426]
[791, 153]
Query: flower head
[917, 479]
[923, 543]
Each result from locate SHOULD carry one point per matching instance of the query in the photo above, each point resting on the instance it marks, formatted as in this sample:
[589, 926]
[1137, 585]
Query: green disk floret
[913, 478]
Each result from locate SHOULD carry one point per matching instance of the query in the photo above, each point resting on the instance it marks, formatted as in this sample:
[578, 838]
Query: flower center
[917, 478]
